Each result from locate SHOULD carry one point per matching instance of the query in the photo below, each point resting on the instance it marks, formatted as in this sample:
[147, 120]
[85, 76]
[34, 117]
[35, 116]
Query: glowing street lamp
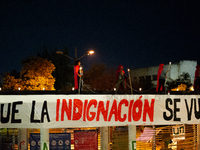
[90, 52]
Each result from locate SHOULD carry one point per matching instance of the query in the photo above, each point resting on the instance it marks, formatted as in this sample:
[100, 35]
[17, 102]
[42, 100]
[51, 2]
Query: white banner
[64, 111]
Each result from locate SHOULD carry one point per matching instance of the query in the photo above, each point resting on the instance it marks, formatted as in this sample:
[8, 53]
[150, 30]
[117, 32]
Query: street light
[90, 52]
[60, 52]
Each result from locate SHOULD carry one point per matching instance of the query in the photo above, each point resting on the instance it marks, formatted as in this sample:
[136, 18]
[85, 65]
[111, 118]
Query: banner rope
[116, 86]
[141, 91]
[88, 87]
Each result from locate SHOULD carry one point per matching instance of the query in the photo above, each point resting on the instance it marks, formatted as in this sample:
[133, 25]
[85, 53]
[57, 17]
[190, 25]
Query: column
[198, 136]
[105, 138]
[22, 139]
[44, 139]
[132, 137]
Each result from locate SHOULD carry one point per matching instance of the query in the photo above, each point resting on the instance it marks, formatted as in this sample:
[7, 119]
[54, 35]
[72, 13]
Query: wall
[176, 69]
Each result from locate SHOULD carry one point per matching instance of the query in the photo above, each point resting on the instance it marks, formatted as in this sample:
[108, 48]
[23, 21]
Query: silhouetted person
[197, 80]
[121, 81]
[161, 76]
[78, 73]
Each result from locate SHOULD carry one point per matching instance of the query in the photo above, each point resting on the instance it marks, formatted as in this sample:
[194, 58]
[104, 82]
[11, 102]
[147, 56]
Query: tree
[36, 74]
[184, 78]
[99, 78]
[11, 83]
[64, 70]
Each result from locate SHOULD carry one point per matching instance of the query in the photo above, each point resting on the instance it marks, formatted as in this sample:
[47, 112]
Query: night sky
[134, 33]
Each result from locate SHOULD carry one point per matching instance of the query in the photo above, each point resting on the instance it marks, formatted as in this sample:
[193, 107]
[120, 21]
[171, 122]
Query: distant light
[73, 88]
[43, 89]
[128, 70]
[19, 88]
[114, 89]
[170, 63]
[0, 88]
[191, 88]
[90, 52]
[168, 92]
[140, 89]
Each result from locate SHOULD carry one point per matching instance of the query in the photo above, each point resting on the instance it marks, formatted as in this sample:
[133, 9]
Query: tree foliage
[184, 78]
[11, 83]
[36, 74]
[99, 78]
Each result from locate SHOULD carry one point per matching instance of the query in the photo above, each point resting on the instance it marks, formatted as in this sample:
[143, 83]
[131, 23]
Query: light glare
[90, 52]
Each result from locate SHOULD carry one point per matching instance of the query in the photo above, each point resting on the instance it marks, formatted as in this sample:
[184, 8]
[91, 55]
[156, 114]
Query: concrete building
[175, 71]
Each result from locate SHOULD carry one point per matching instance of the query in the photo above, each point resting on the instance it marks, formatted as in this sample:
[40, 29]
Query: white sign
[62, 111]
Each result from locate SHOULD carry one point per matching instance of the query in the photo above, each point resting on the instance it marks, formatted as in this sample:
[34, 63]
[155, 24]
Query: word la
[44, 112]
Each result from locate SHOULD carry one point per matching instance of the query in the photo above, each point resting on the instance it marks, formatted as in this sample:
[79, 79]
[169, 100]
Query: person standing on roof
[197, 80]
[161, 76]
[121, 79]
[78, 73]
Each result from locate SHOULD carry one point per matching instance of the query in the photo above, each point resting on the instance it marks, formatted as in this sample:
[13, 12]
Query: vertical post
[130, 81]
[13, 139]
[44, 139]
[79, 86]
[154, 139]
[194, 135]
[166, 78]
[132, 137]
[1, 139]
[22, 139]
[198, 136]
[105, 138]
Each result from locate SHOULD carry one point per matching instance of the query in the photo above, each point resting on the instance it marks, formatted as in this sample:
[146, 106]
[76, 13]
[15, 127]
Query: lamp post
[61, 53]
[88, 53]
[130, 80]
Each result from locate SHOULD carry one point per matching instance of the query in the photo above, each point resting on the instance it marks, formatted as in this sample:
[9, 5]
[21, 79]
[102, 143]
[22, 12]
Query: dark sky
[134, 33]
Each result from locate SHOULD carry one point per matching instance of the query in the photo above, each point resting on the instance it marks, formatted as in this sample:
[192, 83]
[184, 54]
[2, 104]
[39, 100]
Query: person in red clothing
[197, 80]
[121, 78]
[78, 73]
[161, 78]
